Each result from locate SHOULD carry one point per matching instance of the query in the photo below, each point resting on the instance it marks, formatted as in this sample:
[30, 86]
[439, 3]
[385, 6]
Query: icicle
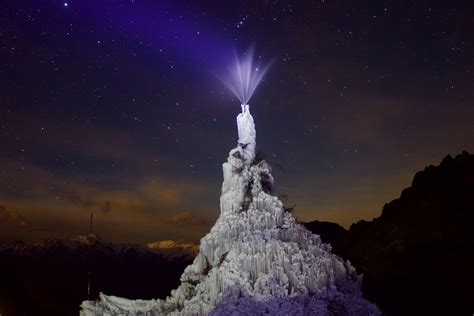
[256, 252]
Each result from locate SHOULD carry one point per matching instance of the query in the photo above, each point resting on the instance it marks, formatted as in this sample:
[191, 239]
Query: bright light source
[244, 77]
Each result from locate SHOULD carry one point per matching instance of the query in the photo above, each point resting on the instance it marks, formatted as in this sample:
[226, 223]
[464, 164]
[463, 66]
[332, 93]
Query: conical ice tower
[257, 259]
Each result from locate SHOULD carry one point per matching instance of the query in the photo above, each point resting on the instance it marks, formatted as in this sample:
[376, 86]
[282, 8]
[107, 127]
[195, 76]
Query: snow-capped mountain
[171, 249]
[168, 249]
[257, 259]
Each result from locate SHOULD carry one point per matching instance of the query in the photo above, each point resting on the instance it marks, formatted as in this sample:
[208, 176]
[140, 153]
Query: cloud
[9, 217]
[146, 207]
[90, 204]
[107, 207]
[187, 219]
[13, 224]
[106, 171]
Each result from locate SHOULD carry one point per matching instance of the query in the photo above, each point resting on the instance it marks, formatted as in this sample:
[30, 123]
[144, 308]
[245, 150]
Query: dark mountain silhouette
[330, 233]
[51, 278]
[418, 256]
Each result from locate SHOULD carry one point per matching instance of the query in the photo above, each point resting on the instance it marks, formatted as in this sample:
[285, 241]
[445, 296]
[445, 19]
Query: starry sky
[115, 107]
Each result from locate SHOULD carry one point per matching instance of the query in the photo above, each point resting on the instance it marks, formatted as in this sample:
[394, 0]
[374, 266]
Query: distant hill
[167, 249]
[418, 256]
[52, 277]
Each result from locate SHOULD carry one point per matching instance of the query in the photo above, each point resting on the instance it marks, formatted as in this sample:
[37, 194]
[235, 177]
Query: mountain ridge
[418, 254]
[168, 249]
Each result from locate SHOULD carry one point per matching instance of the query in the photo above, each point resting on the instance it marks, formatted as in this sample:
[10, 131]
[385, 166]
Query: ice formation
[257, 259]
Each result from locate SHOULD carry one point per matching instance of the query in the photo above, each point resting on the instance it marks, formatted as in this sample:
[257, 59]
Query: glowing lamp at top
[244, 77]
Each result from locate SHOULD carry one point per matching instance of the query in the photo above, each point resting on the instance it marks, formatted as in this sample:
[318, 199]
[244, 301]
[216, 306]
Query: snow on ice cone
[257, 259]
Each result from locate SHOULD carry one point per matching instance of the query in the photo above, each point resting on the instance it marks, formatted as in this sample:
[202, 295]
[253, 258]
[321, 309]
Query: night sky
[116, 107]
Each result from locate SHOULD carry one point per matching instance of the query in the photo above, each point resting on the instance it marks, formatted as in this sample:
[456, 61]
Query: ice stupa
[257, 259]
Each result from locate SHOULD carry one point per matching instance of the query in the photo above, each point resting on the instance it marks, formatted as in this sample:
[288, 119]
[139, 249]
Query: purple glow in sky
[245, 76]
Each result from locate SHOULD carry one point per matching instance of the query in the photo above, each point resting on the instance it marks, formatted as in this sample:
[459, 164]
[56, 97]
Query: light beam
[245, 76]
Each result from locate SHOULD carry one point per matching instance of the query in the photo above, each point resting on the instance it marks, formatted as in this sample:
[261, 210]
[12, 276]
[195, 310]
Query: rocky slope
[418, 256]
[330, 233]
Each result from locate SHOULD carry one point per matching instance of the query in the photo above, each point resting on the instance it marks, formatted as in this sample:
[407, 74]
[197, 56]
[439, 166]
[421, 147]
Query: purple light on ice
[245, 76]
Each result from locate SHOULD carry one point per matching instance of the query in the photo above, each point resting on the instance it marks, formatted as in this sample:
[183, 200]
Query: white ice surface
[257, 259]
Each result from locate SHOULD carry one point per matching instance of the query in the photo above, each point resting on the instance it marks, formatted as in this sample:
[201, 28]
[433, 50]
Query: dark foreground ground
[52, 278]
[417, 257]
